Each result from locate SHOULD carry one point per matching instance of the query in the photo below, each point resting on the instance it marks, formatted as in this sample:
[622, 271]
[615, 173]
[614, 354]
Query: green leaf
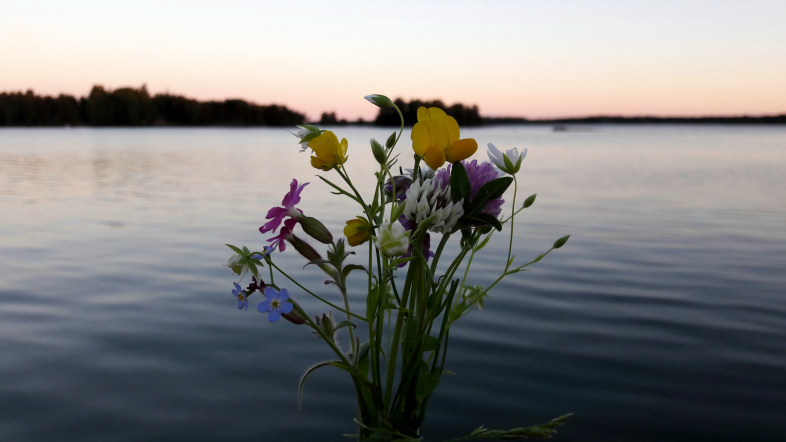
[235, 249]
[431, 344]
[561, 242]
[487, 193]
[253, 267]
[341, 365]
[427, 382]
[529, 201]
[309, 128]
[310, 136]
[485, 218]
[350, 268]
[459, 183]
[303, 382]
[483, 243]
[344, 323]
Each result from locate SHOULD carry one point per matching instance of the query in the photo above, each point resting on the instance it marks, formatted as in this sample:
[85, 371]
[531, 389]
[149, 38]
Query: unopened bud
[380, 101]
[561, 242]
[379, 152]
[295, 316]
[391, 140]
[304, 248]
[529, 201]
[315, 229]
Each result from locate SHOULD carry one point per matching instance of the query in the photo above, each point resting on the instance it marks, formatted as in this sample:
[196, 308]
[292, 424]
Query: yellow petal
[319, 163]
[324, 145]
[436, 113]
[452, 128]
[342, 148]
[461, 150]
[423, 114]
[435, 157]
[438, 133]
[420, 138]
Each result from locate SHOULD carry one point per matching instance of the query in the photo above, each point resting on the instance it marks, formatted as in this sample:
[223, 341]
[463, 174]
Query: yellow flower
[357, 231]
[329, 152]
[435, 137]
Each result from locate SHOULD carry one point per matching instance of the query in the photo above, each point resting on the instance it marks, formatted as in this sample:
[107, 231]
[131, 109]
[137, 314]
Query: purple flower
[276, 215]
[242, 299]
[255, 285]
[285, 233]
[479, 174]
[275, 303]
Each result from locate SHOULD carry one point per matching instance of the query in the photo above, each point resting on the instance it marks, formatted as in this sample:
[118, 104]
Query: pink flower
[285, 233]
[277, 214]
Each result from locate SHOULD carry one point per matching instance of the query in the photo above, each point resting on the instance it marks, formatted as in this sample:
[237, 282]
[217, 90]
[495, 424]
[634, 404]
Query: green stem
[393, 352]
[315, 295]
[512, 217]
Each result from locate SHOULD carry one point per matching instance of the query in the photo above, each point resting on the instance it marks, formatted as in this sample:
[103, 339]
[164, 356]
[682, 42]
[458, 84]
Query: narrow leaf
[489, 192]
[459, 183]
[485, 218]
[303, 382]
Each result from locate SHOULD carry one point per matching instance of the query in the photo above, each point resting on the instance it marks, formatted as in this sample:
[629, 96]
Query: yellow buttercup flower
[357, 231]
[435, 137]
[329, 153]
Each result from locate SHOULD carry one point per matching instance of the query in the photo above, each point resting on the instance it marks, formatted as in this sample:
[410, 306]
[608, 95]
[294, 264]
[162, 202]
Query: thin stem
[512, 217]
[315, 295]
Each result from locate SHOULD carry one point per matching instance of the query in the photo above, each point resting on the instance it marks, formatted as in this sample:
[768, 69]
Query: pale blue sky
[523, 58]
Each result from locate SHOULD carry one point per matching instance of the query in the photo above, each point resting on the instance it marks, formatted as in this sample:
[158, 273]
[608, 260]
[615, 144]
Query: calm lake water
[662, 319]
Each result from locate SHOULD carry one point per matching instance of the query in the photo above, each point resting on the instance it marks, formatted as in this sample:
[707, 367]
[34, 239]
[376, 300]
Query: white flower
[393, 239]
[427, 199]
[509, 162]
[301, 132]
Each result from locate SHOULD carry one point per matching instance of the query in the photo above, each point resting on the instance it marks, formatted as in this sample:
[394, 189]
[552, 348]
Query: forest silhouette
[128, 106]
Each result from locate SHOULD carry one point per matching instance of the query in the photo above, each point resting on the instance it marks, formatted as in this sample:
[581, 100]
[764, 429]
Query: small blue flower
[242, 299]
[275, 303]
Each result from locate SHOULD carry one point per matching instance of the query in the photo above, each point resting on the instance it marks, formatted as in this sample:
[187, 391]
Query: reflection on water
[662, 319]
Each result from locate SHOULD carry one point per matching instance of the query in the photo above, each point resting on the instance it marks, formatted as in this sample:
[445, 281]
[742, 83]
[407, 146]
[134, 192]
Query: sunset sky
[516, 58]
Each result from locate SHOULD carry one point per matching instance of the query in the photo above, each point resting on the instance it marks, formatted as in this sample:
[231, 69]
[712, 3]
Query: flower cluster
[407, 317]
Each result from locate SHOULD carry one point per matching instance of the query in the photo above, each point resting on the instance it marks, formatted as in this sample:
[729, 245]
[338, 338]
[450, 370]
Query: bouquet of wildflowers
[397, 347]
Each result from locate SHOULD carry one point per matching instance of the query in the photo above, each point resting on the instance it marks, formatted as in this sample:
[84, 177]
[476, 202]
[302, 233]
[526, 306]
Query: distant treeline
[771, 119]
[129, 106]
[464, 115]
[136, 107]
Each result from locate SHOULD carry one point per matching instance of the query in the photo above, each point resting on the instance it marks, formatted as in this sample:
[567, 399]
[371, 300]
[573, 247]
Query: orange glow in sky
[512, 58]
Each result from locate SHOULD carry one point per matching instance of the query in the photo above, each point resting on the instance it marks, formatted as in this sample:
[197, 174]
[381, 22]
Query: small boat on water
[559, 128]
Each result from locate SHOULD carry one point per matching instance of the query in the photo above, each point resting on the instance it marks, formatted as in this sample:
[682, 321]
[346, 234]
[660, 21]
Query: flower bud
[357, 231]
[393, 239]
[294, 316]
[315, 229]
[304, 248]
[529, 201]
[380, 101]
[379, 152]
[561, 242]
[391, 140]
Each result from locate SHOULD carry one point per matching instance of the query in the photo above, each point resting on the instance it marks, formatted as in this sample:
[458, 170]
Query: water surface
[662, 319]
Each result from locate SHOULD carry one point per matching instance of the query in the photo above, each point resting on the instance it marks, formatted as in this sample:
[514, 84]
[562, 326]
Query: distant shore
[135, 107]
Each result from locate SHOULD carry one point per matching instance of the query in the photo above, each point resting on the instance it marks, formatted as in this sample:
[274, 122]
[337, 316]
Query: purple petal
[283, 295]
[237, 286]
[274, 315]
[270, 293]
[286, 307]
[263, 307]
